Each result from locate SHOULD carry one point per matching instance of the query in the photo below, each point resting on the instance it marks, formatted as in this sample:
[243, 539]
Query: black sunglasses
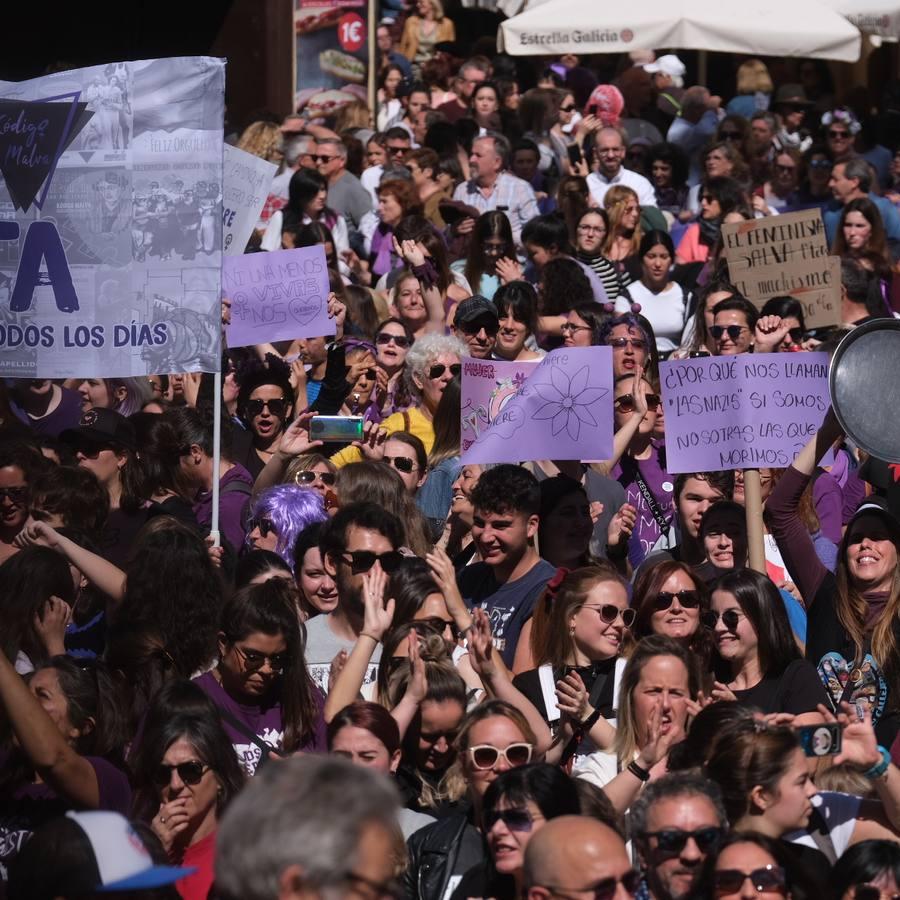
[399, 339]
[625, 403]
[363, 560]
[733, 331]
[490, 326]
[730, 618]
[602, 890]
[570, 108]
[434, 625]
[796, 334]
[16, 495]
[686, 598]
[277, 407]
[674, 840]
[400, 463]
[369, 373]
[767, 879]
[189, 772]
[514, 819]
[838, 135]
[91, 451]
[437, 370]
[266, 527]
[308, 477]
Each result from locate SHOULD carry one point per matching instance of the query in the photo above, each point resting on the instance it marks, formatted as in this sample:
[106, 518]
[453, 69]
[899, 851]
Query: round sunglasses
[609, 612]
[733, 331]
[277, 407]
[730, 618]
[436, 371]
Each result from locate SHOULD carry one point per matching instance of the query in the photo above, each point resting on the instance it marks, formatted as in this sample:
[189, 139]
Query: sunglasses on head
[401, 340]
[625, 403]
[609, 612]
[622, 342]
[438, 370]
[277, 407]
[733, 331]
[730, 618]
[486, 756]
[686, 598]
[16, 495]
[872, 892]
[363, 560]
[674, 840]
[514, 819]
[605, 889]
[400, 463]
[189, 772]
[767, 879]
[308, 477]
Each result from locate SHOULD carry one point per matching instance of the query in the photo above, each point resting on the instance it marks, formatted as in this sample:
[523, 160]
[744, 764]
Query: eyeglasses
[686, 598]
[514, 819]
[437, 370]
[621, 342]
[625, 403]
[730, 618]
[872, 892]
[254, 660]
[486, 756]
[838, 135]
[380, 890]
[308, 477]
[363, 560]
[674, 840]
[277, 407]
[570, 328]
[602, 890]
[401, 464]
[189, 772]
[609, 612]
[768, 878]
[733, 331]
[323, 159]
[399, 339]
[820, 164]
[396, 151]
[18, 496]
[570, 108]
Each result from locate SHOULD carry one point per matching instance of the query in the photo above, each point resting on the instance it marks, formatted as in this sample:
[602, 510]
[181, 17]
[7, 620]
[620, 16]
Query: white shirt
[370, 179]
[599, 184]
[665, 311]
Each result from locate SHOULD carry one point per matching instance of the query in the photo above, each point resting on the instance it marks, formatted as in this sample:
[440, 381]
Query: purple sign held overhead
[277, 296]
[560, 408]
[750, 411]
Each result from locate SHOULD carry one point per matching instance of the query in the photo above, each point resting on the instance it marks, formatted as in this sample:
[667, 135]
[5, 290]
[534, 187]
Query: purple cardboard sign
[750, 411]
[277, 296]
[559, 408]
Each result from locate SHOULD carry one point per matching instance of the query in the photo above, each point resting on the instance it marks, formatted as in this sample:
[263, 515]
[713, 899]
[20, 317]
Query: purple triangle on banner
[33, 136]
[86, 154]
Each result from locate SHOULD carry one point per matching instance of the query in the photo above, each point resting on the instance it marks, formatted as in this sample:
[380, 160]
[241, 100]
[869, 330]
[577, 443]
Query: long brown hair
[875, 255]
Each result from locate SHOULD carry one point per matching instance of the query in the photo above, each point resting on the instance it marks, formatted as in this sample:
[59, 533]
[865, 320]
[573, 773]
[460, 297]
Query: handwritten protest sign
[742, 412]
[559, 408]
[246, 186]
[277, 296]
[786, 255]
[111, 238]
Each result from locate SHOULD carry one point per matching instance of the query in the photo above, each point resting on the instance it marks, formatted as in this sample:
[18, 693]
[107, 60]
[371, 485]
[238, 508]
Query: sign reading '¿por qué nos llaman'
[742, 412]
[786, 255]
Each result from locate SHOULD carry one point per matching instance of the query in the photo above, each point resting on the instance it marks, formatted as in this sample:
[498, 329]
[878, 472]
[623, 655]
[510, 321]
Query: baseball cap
[123, 862]
[669, 65]
[878, 507]
[473, 307]
[101, 426]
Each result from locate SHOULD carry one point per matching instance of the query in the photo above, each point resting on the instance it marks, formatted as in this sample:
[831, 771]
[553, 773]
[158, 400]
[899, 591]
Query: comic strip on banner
[111, 220]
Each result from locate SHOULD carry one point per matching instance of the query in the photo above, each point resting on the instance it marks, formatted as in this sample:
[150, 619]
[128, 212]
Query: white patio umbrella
[880, 17]
[806, 28]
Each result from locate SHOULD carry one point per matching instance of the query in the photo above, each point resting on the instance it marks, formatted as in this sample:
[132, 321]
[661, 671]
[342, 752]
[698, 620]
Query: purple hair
[290, 509]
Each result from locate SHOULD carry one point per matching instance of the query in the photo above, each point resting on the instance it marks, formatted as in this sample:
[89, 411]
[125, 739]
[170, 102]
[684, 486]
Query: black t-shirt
[119, 533]
[796, 690]
[529, 684]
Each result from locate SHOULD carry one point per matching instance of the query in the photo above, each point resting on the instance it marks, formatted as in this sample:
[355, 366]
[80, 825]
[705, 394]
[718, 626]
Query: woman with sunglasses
[279, 514]
[758, 662]
[631, 345]
[63, 747]
[313, 471]
[719, 196]
[790, 311]
[185, 775]
[392, 342]
[778, 193]
[516, 806]
[362, 376]
[814, 190]
[268, 702]
[869, 870]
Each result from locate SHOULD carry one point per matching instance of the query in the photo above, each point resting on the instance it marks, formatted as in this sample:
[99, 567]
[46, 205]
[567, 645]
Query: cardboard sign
[246, 186]
[277, 296]
[559, 408]
[786, 255]
[749, 411]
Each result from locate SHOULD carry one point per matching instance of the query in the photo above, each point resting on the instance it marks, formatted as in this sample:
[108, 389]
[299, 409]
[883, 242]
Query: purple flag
[559, 408]
[753, 410]
[277, 296]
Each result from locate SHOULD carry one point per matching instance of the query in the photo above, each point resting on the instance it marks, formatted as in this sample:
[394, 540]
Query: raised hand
[51, 624]
[770, 331]
[377, 615]
[445, 575]
[373, 440]
[481, 645]
[508, 270]
[417, 686]
[859, 745]
[39, 533]
[621, 525]
[295, 440]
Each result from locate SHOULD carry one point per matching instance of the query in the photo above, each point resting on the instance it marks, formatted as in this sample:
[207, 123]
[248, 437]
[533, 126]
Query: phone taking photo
[820, 740]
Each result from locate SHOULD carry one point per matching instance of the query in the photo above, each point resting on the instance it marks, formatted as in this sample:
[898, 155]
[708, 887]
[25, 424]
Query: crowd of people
[390, 673]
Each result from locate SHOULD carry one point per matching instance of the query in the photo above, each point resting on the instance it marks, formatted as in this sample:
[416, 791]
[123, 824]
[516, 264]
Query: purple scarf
[382, 255]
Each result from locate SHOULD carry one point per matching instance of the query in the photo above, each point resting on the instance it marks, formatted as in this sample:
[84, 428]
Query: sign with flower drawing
[559, 408]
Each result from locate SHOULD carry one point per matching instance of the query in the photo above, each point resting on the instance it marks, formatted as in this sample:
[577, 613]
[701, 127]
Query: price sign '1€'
[351, 32]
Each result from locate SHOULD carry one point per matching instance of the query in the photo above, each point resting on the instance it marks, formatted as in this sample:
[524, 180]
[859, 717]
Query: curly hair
[255, 373]
[423, 354]
[290, 508]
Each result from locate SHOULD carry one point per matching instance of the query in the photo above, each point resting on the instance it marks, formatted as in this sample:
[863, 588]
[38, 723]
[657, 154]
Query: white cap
[123, 861]
[669, 65]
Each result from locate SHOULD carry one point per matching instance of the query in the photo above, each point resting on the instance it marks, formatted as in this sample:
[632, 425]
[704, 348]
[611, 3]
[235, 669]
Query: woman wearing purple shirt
[267, 701]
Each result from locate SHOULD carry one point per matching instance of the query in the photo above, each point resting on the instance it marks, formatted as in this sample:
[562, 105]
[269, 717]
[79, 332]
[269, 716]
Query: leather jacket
[437, 853]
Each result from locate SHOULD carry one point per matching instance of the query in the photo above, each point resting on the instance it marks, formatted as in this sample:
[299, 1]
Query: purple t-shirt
[232, 504]
[66, 415]
[658, 482]
[264, 721]
[32, 805]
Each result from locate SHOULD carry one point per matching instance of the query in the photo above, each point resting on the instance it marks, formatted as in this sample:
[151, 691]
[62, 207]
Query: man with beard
[675, 823]
[359, 537]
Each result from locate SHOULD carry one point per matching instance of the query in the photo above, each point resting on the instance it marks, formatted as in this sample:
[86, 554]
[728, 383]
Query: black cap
[876, 506]
[102, 427]
[473, 308]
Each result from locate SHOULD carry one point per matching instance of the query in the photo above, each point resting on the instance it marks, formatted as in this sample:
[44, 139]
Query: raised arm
[294, 442]
[623, 436]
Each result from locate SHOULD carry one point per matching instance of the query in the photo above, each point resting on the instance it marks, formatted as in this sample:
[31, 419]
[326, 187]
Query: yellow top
[421, 427]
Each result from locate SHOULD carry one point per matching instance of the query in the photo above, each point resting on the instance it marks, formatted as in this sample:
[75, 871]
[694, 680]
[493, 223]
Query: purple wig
[290, 509]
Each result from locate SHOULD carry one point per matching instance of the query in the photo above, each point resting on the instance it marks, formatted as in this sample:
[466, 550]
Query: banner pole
[753, 509]
[217, 456]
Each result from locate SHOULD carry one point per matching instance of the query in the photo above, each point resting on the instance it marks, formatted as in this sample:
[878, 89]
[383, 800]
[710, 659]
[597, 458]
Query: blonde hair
[438, 8]
[351, 116]
[753, 77]
[262, 139]
[615, 201]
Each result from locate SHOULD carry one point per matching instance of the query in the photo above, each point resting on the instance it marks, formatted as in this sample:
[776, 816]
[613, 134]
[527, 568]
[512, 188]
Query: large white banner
[111, 220]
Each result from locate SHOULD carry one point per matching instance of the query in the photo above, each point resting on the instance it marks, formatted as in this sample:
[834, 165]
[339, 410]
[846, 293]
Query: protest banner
[277, 296]
[747, 411]
[110, 220]
[559, 408]
[245, 189]
[786, 255]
